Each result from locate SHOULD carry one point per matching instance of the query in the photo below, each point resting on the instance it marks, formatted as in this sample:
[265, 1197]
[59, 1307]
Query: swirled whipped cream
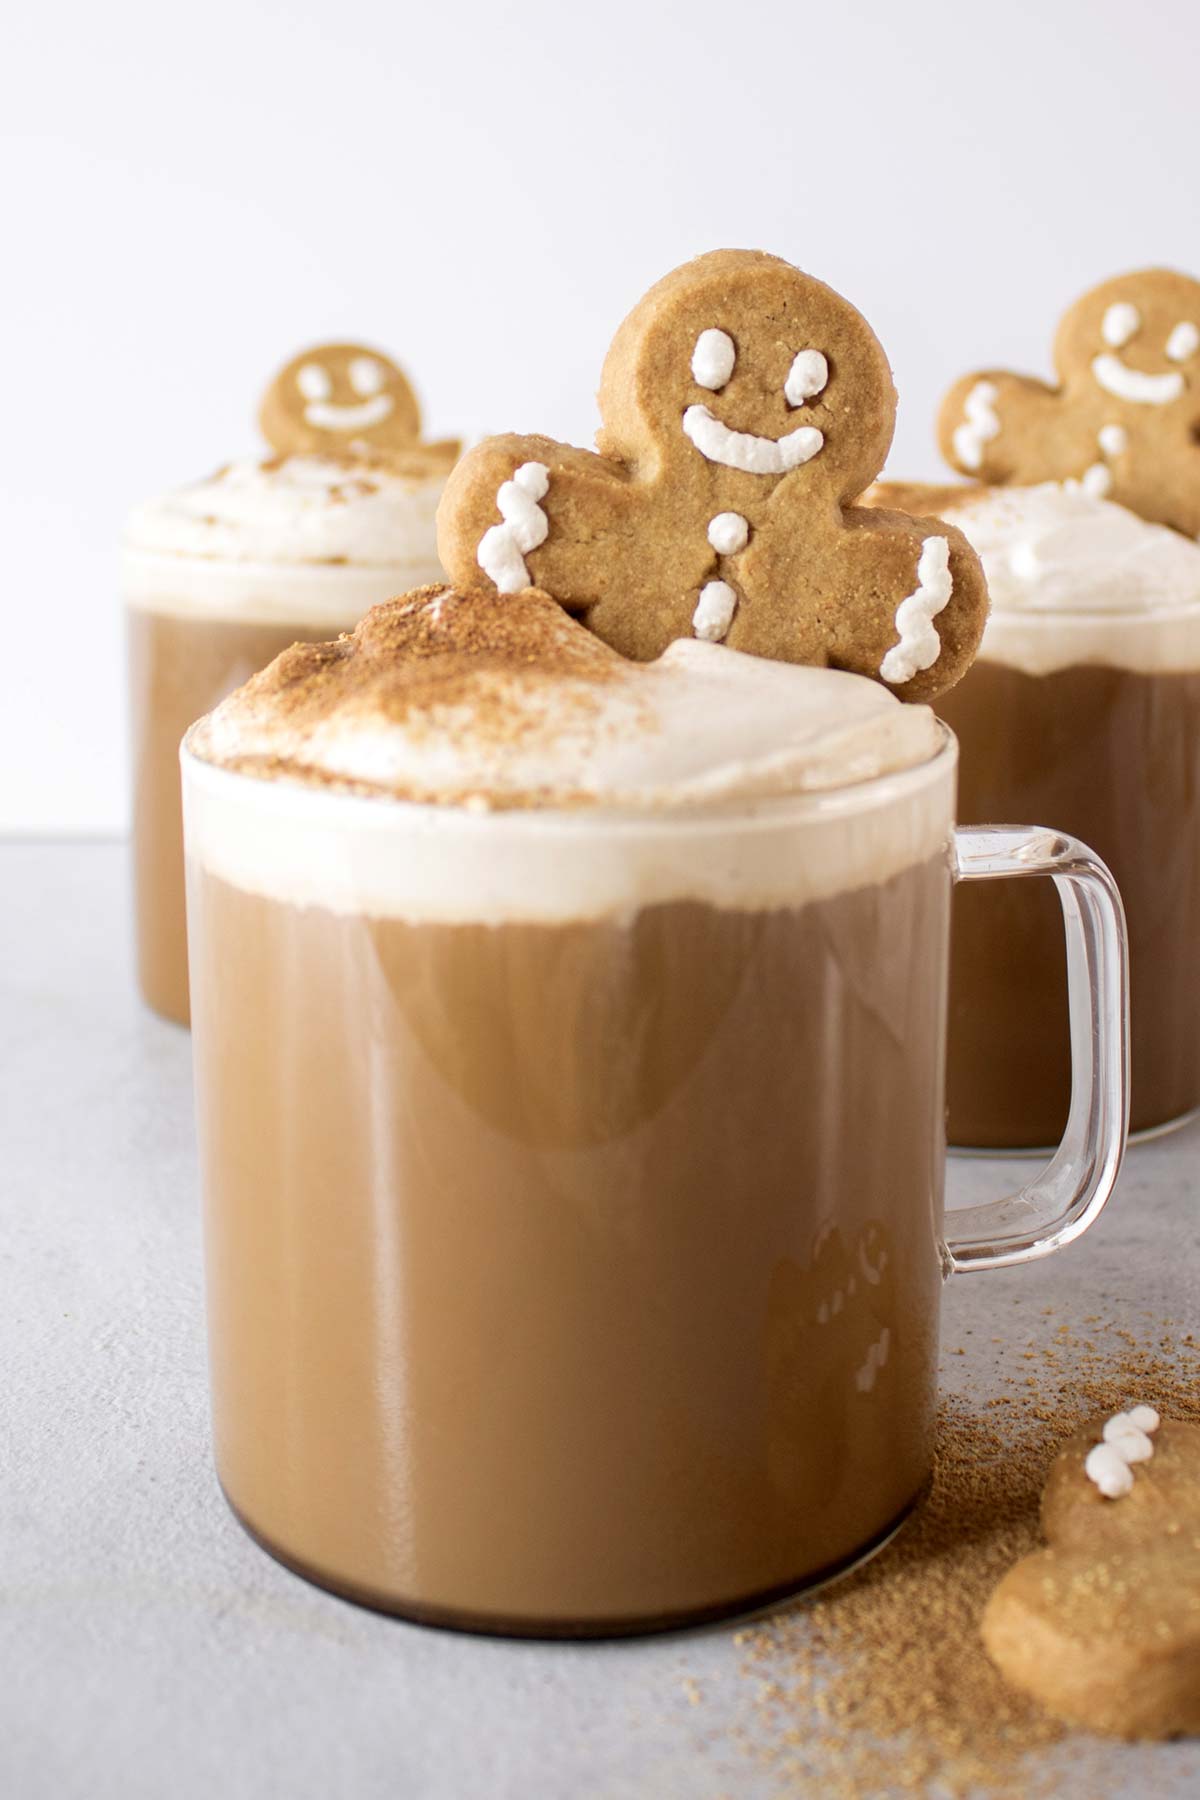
[508, 702]
[1058, 549]
[296, 509]
[548, 779]
[1073, 579]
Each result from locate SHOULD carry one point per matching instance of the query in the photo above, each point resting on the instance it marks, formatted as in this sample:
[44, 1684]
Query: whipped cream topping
[453, 699]
[487, 758]
[1058, 549]
[297, 510]
[1074, 578]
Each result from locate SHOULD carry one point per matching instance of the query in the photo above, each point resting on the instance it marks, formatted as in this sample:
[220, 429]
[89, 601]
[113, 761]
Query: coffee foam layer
[506, 701]
[476, 757]
[296, 512]
[1075, 579]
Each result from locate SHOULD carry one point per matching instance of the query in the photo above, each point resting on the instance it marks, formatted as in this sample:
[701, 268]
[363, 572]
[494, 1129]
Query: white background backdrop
[190, 193]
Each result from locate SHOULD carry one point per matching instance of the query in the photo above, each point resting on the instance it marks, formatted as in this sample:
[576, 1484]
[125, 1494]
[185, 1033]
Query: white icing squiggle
[1121, 322]
[981, 423]
[503, 548]
[1184, 341]
[920, 646]
[713, 359]
[1126, 1439]
[743, 450]
[714, 611]
[1134, 385]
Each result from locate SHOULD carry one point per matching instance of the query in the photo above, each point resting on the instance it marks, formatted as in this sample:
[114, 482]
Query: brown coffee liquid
[572, 1279]
[1113, 758]
[179, 668]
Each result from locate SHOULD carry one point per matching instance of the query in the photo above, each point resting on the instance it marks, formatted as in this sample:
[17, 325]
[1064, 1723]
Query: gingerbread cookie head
[345, 399]
[1123, 420]
[745, 405]
[1103, 1626]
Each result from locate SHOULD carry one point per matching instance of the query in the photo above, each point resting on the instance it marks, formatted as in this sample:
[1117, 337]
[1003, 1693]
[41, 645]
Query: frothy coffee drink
[218, 579]
[1082, 712]
[569, 1063]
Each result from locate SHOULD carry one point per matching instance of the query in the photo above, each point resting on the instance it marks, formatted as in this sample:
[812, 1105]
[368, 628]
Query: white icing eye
[1183, 342]
[1121, 322]
[807, 376]
[366, 375]
[313, 381]
[713, 359]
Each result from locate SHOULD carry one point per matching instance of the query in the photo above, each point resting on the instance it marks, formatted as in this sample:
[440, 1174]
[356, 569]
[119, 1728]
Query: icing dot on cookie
[807, 376]
[713, 359]
[714, 611]
[366, 375]
[728, 533]
[313, 382]
[1121, 322]
[1183, 342]
[1112, 439]
[1096, 481]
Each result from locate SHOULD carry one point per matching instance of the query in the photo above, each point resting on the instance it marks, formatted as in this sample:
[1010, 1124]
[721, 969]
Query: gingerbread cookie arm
[917, 602]
[999, 428]
[509, 518]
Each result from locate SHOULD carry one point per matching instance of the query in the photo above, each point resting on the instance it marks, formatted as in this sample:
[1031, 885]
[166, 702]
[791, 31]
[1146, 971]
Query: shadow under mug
[573, 1183]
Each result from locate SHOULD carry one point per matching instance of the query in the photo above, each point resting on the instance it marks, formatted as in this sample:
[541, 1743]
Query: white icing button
[1109, 1471]
[1096, 481]
[714, 611]
[713, 359]
[1121, 322]
[1112, 439]
[728, 533]
[1183, 342]
[807, 376]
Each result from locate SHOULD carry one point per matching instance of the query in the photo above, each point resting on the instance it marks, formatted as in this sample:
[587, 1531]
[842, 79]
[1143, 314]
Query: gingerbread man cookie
[1124, 419]
[744, 405]
[339, 399]
[1103, 1627]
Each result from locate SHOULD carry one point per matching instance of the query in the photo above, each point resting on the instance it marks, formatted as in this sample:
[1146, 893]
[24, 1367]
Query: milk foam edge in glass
[570, 1092]
[220, 576]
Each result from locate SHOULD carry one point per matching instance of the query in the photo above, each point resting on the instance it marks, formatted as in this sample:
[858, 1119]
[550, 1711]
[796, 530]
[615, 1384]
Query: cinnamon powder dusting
[412, 660]
[881, 1684]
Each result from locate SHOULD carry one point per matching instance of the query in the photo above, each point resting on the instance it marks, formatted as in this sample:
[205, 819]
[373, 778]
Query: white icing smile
[367, 377]
[743, 450]
[326, 415]
[1122, 322]
[1116, 378]
[713, 361]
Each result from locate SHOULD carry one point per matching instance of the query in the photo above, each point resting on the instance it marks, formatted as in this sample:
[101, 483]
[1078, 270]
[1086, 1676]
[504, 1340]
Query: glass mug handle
[1071, 1190]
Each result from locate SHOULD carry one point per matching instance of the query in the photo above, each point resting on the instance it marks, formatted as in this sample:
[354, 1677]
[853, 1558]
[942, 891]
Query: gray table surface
[147, 1647]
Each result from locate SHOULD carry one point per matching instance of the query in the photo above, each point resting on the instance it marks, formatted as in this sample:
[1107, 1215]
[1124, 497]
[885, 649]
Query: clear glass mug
[196, 627]
[1092, 720]
[573, 1183]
